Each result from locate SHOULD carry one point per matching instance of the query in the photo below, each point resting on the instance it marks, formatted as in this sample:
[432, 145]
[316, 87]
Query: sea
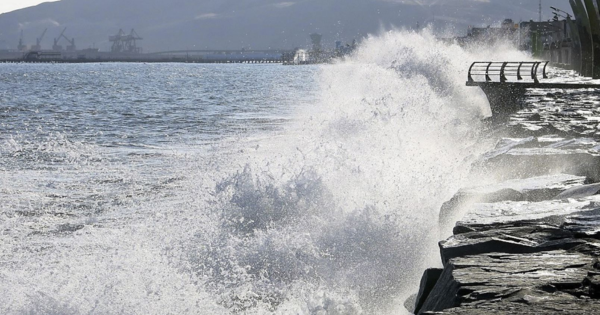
[132, 188]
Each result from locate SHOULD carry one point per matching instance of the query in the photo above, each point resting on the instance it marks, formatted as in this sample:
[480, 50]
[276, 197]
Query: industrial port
[125, 47]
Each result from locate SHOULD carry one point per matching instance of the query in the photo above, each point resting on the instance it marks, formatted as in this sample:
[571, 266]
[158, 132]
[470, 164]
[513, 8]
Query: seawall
[527, 241]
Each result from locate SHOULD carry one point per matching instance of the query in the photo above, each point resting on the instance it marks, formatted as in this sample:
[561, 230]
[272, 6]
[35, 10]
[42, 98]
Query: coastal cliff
[528, 241]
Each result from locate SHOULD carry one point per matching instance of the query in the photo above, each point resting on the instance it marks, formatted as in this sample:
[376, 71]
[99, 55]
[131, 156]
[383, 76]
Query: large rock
[584, 224]
[520, 257]
[527, 189]
[537, 283]
[515, 240]
[530, 244]
[485, 216]
[530, 157]
[580, 192]
[524, 227]
[428, 282]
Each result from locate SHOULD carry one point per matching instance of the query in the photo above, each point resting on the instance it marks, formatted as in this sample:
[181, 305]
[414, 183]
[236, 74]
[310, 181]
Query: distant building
[301, 56]
[548, 40]
[317, 54]
[507, 32]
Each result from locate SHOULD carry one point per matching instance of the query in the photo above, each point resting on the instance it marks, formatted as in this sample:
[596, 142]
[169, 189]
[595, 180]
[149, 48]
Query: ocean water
[233, 189]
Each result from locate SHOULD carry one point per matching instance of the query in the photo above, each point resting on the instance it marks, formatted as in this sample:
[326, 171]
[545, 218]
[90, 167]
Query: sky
[11, 5]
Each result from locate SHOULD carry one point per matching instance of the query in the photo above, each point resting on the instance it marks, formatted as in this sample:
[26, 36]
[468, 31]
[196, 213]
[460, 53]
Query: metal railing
[505, 70]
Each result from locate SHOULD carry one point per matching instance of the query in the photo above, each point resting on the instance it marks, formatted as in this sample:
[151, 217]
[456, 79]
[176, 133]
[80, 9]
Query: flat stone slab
[520, 257]
[530, 157]
[514, 240]
[580, 192]
[527, 189]
[584, 224]
[539, 283]
[489, 214]
[532, 185]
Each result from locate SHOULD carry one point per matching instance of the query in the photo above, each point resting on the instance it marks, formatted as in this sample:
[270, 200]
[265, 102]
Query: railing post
[471, 68]
[519, 77]
[502, 76]
[487, 73]
[545, 75]
[534, 71]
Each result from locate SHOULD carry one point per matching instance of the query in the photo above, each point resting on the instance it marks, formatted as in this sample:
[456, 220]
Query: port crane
[56, 46]
[122, 43]
[71, 46]
[38, 41]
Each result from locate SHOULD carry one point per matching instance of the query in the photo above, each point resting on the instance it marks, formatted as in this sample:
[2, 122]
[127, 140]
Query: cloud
[206, 16]
[38, 23]
[284, 4]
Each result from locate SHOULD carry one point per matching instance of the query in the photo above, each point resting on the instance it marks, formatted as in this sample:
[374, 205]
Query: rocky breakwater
[529, 241]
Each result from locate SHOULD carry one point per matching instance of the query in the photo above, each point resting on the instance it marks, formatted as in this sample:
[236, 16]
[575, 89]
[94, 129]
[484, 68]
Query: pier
[178, 56]
[505, 83]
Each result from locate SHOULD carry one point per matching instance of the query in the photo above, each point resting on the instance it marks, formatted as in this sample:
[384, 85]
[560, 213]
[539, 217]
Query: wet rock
[485, 216]
[530, 157]
[514, 240]
[593, 281]
[428, 281]
[528, 189]
[535, 117]
[530, 243]
[530, 162]
[580, 192]
[520, 257]
[507, 144]
[584, 224]
[536, 283]
[572, 113]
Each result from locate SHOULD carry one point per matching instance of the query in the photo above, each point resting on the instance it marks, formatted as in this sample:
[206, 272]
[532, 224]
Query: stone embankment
[529, 243]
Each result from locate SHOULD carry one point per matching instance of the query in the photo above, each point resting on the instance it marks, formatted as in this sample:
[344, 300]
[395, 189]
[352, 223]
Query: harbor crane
[122, 43]
[71, 46]
[38, 42]
[56, 46]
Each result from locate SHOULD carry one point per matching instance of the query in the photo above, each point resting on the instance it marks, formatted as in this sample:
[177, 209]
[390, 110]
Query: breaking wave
[338, 215]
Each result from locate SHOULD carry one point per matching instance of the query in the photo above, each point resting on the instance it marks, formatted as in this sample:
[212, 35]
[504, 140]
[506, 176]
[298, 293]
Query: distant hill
[257, 24]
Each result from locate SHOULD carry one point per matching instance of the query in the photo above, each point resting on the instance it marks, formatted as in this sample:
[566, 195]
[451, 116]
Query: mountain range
[250, 24]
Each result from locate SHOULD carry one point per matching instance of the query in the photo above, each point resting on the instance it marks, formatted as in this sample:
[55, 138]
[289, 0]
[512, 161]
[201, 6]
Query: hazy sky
[11, 5]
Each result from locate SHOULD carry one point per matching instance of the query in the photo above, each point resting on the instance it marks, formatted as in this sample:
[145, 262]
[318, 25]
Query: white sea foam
[339, 214]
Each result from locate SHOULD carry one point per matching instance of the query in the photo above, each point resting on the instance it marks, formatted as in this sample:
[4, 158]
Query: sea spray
[185, 197]
[338, 215]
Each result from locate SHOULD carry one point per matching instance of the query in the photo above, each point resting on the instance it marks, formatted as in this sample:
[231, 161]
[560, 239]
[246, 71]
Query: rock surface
[528, 189]
[529, 244]
[539, 283]
[530, 157]
[522, 260]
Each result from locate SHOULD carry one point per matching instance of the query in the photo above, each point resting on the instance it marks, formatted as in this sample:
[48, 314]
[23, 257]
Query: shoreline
[528, 244]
